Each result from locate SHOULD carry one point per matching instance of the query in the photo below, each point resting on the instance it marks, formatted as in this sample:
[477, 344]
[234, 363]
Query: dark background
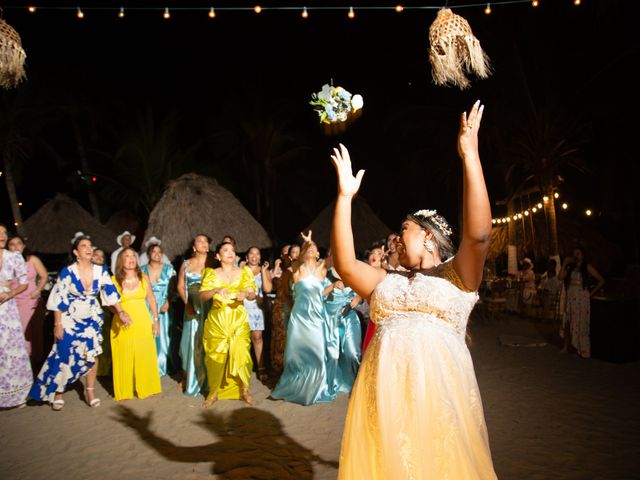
[215, 92]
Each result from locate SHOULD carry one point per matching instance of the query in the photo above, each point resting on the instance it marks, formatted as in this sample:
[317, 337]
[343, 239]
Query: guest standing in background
[104, 359]
[305, 379]
[262, 278]
[30, 303]
[194, 373]
[125, 240]
[162, 276]
[576, 323]
[226, 334]
[280, 316]
[144, 256]
[77, 326]
[135, 363]
[340, 302]
[16, 376]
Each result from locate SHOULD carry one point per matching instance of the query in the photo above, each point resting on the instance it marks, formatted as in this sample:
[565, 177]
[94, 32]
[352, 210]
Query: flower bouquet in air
[336, 108]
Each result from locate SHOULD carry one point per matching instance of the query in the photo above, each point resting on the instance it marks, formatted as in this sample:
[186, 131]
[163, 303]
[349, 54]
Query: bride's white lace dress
[415, 411]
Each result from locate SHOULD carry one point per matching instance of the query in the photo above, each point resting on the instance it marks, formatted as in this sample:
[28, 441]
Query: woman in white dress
[415, 410]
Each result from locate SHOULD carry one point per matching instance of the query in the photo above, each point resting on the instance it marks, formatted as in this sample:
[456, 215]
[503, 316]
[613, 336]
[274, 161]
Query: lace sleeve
[449, 274]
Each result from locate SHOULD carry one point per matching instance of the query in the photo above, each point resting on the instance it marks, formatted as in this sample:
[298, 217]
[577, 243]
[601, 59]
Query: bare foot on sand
[210, 401]
[246, 396]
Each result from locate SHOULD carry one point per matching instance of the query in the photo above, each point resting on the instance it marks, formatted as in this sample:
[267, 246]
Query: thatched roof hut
[50, 229]
[367, 227]
[194, 204]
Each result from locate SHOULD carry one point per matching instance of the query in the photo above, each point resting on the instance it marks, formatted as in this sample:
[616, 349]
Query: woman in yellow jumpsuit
[227, 339]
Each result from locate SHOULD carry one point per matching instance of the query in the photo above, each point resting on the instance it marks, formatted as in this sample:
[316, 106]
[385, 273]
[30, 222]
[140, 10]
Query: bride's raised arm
[476, 209]
[361, 277]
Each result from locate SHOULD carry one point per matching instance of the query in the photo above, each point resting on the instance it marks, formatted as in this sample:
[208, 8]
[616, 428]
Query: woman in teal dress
[194, 378]
[346, 330]
[307, 378]
[161, 276]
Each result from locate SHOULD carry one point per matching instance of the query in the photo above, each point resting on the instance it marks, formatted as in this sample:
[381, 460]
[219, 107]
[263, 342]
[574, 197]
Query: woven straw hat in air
[454, 52]
[12, 57]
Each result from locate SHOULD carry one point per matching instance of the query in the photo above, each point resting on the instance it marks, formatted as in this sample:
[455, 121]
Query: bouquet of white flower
[335, 104]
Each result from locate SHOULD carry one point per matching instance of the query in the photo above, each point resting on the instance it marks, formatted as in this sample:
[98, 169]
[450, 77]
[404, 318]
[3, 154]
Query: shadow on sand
[250, 444]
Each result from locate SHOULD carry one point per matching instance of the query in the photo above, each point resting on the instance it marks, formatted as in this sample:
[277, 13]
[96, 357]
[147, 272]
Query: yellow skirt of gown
[133, 349]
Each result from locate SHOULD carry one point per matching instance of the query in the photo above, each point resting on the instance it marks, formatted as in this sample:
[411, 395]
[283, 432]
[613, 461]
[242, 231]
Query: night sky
[206, 80]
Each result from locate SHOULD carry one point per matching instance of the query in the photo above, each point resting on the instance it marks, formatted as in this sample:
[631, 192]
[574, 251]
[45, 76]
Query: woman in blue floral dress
[77, 326]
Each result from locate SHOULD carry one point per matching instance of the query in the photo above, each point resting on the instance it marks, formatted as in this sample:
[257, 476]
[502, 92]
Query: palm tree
[149, 156]
[15, 146]
[543, 149]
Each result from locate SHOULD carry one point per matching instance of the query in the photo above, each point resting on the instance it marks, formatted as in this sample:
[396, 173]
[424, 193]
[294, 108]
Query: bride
[415, 411]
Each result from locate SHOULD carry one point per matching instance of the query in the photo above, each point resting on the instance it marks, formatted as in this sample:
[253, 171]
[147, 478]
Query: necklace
[130, 281]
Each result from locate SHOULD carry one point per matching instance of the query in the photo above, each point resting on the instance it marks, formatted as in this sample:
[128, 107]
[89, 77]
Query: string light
[257, 9]
[166, 14]
[556, 195]
[565, 206]
[488, 9]
[577, 2]
[399, 8]
[19, 204]
[80, 13]
[212, 13]
[534, 3]
[15, 223]
[588, 212]
[121, 12]
[31, 9]
[351, 13]
[305, 13]
[545, 199]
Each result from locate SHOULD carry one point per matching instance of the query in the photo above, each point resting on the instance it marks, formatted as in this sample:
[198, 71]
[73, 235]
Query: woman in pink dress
[29, 302]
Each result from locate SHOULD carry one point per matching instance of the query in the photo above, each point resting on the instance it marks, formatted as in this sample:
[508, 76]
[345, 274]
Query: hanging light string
[396, 7]
[536, 208]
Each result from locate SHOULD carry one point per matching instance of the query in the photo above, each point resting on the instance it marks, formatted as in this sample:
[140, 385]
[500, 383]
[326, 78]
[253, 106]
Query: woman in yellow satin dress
[227, 337]
[133, 346]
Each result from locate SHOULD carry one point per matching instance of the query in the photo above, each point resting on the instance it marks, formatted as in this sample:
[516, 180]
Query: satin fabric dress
[191, 346]
[415, 410]
[81, 315]
[133, 349]
[161, 293]
[345, 323]
[227, 337]
[32, 313]
[15, 369]
[305, 379]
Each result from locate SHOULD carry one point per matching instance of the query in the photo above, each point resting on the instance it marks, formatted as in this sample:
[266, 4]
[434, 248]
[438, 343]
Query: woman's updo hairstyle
[431, 221]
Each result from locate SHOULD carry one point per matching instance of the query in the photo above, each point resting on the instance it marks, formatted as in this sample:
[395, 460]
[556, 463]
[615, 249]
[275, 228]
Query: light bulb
[539, 205]
[588, 212]
[488, 9]
[166, 14]
[534, 3]
[565, 206]
[526, 213]
[257, 9]
[545, 199]
[31, 9]
[121, 12]
[399, 8]
[80, 13]
[556, 195]
[212, 13]
[534, 209]
[351, 13]
[305, 14]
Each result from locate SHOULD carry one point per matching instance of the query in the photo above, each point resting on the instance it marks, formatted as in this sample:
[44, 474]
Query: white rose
[357, 102]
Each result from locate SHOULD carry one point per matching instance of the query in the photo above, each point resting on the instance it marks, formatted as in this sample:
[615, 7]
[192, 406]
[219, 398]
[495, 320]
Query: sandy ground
[550, 416]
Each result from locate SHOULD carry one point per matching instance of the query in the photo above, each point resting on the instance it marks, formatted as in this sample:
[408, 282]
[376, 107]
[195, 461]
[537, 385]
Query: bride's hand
[468, 133]
[348, 185]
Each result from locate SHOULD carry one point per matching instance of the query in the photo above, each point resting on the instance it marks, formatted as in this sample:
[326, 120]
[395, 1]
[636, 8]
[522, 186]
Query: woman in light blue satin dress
[306, 378]
[161, 276]
[194, 379]
[340, 303]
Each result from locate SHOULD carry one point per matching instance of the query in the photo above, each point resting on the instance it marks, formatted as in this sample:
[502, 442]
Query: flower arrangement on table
[335, 104]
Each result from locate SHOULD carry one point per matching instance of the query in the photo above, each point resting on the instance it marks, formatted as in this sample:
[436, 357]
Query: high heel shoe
[57, 404]
[93, 403]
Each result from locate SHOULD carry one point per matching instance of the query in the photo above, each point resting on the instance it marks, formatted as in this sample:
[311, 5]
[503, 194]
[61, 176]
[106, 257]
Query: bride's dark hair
[439, 227]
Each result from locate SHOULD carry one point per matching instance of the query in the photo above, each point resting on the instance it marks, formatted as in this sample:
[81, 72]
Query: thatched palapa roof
[50, 229]
[367, 227]
[193, 204]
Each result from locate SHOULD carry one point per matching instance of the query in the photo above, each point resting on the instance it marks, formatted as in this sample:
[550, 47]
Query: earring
[428, 244]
